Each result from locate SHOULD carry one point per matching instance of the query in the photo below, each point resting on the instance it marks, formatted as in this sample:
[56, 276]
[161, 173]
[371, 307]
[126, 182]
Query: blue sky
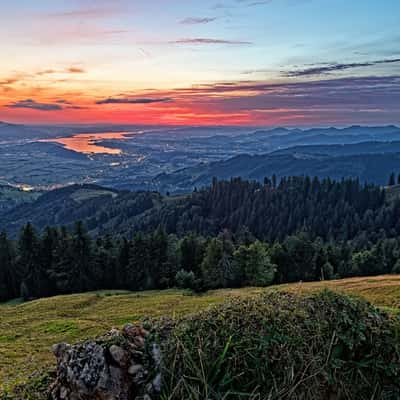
[84, 51]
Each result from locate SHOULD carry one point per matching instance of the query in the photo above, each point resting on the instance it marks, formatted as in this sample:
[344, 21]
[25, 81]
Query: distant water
[87, 143]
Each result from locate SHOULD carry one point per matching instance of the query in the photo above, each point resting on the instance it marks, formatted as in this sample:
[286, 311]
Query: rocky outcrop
[123, 365]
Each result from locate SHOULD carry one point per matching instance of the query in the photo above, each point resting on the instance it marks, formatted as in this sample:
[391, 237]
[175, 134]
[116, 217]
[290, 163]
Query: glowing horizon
[236, 62]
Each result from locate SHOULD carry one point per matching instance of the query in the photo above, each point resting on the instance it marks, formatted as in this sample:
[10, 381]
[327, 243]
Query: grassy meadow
[28, 330]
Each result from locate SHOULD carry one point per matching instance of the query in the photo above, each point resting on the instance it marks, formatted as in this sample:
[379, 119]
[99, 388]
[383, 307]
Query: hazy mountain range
[178, 159]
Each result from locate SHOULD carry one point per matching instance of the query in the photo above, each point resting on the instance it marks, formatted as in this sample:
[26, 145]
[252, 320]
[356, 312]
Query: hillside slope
[263, 209]
[28, 330]
[10, 197]
[373, 168]
[101, 209]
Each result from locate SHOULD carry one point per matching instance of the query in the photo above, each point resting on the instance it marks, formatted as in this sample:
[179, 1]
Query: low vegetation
[284, 346]
[28, 330]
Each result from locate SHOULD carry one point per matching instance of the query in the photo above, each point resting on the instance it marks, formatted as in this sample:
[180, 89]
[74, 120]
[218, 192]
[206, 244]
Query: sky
[208, 62]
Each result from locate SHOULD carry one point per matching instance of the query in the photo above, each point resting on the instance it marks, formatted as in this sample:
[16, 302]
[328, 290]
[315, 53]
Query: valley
[178, 159]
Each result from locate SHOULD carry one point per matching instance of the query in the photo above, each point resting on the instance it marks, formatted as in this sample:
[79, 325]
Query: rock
[156, 354]
[157, 383]
[138, 342]
[118, 354]
[60, 348]
[134, 369]
[63, 393]
[130, 330]
[109, 368]
[114, 332]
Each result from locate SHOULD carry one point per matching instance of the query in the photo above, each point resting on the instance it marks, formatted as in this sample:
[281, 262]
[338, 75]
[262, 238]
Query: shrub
[185, 279]
[283, 346]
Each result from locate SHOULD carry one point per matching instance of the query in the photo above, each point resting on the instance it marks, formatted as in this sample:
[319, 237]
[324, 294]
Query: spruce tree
[392, 179]
[8, 279]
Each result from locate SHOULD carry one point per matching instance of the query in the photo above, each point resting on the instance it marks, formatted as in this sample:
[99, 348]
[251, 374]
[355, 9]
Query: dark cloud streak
[197, 20]
[128, 100]
[335, 67]
[201, 41]
[33, 105]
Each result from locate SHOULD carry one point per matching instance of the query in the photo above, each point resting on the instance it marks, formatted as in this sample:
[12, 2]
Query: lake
[87, 143]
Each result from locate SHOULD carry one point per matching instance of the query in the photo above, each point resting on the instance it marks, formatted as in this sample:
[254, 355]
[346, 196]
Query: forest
[232, 234]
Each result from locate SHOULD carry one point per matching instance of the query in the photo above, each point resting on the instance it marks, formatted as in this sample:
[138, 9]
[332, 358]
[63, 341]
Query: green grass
[28, 330]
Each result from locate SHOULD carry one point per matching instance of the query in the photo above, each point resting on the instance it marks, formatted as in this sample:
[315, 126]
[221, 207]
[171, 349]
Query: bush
[283, 346]
[185, 280]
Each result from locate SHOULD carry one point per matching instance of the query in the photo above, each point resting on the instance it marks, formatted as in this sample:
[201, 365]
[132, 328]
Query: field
[28, 330]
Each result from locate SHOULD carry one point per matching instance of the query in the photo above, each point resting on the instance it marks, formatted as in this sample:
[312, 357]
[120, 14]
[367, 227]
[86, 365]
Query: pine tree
[81, 252]
[122, 263]
[138, 267]
[28, 266]
[392, 179]
[191, 252]
[211, 273]
[274, 181]
[8, 279]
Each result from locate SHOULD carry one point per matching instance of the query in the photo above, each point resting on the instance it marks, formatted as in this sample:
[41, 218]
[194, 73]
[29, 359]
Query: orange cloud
[75, 70]
[230, 103]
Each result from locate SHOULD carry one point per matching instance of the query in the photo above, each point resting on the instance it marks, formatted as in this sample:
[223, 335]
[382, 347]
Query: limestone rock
[109, 368]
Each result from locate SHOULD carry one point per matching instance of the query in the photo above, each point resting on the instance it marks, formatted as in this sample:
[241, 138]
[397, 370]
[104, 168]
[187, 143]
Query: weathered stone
[60, 348]
[134, 369]
[118, 354]
[157, 383]
[63, 393]
[114, 332]
[138, 341]
[156, 354]
[108, 369]
[133, 331]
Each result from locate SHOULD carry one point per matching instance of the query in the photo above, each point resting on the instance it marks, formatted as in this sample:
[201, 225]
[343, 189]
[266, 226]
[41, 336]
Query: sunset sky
[244, 62]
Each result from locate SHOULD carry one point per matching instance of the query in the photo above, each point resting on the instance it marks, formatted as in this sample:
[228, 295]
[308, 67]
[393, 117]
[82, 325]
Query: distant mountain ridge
[176, 160]
[374, 168]
[370, 147]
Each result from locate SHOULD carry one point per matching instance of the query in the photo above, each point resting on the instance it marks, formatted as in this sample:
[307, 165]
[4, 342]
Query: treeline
[331, 210]
[62, 262]
[272, 210]
[234, 233]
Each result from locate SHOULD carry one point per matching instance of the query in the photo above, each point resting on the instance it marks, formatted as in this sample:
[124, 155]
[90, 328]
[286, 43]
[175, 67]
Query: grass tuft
[284, 346]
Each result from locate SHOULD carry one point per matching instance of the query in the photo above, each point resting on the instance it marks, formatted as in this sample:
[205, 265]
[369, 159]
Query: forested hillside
[270, 210]
[373, 168]
[10, 197]
[100, 208]
[234, 233]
